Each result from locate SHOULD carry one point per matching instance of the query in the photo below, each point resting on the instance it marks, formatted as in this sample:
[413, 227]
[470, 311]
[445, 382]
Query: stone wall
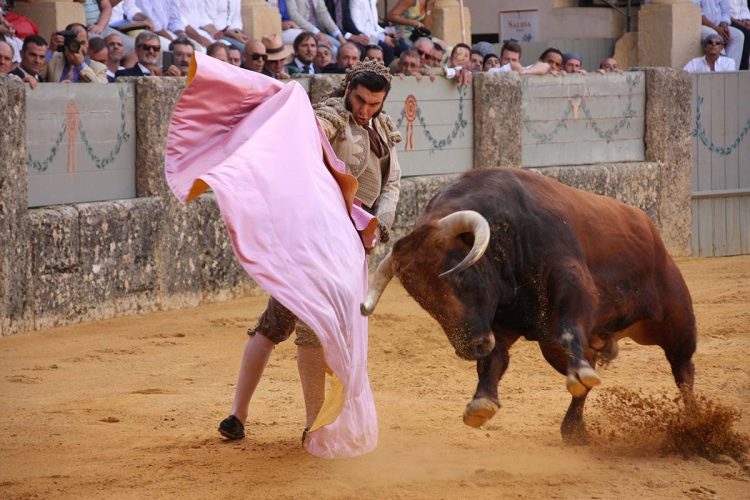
[68, 263]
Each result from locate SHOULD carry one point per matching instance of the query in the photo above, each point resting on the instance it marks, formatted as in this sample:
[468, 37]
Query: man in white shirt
[712, 60]
[226, 16]
[165, 16]
[198, 24]
[739, 15]
[362, 27]
[716, 20]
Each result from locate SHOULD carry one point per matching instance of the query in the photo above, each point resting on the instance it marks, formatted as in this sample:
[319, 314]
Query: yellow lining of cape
[332, 406]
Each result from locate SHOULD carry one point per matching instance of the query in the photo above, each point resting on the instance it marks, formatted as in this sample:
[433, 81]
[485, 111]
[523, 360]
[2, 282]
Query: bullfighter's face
[460, 302]
[364, 103]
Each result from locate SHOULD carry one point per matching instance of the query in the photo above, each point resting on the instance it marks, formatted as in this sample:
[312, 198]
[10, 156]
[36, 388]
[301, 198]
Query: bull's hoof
[582, 380]
[479, 411]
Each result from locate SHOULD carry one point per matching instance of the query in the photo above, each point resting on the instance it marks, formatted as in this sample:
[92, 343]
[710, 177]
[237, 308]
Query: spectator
[305, 48]
[313, 16]
[8, 35]
[347, 57]
[98, 50]
[22, 26]
[490, 61]
[554, 59]
[483, 48]
[32, 60]
[235, 56]
[147, 48]
[411, 15]
[198, 25]
[289, 29]
[165, 16]
[739, 15]
[336, 11]
[277, 56]
[609, 65]
[475, 61]
[510, 53]
[425, 48]
[98, 14]
[374, 52]
[712, 59]
[219, 51]
[716, 20]
[115, 55]
[226, 16]
[73, 64]
[254, 56]
[183, 51]
[361, 24]
[6, 57]
[323, 57]
[438, 54]
[126, 15]
[459, 56]
[572, 63]
[408, 64]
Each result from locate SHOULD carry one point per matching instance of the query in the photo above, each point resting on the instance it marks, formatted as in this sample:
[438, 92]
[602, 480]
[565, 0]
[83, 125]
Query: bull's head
[459, 298]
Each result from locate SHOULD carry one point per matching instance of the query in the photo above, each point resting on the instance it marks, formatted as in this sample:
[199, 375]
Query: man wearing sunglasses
[148, 48]
[716, 20]
[255, 56]
[712, 60]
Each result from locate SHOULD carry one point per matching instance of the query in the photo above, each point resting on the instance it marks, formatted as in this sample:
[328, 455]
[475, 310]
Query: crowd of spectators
[158, 37]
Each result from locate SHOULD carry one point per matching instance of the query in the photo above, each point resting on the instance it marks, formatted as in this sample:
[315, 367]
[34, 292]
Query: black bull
[504, 253]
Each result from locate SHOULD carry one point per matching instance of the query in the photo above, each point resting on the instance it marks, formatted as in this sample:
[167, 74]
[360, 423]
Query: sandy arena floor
[128, 408]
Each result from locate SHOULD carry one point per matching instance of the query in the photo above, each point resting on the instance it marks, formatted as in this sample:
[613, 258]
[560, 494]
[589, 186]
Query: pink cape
[256, 143]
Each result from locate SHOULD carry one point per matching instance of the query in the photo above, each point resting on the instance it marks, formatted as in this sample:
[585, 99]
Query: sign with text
[519, 25]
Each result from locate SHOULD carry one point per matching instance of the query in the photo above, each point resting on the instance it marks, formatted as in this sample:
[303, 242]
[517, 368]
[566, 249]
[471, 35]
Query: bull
[505, 253]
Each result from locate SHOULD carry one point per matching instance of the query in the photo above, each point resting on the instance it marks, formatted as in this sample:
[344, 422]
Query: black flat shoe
[232, 428]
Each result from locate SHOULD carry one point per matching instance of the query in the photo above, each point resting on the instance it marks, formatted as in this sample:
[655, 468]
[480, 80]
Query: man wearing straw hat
[277, 55]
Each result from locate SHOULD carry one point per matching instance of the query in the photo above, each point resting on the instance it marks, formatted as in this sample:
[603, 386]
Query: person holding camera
[69, 62]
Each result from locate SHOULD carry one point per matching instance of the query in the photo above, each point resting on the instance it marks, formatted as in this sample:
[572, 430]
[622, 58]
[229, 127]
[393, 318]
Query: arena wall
[67, 263]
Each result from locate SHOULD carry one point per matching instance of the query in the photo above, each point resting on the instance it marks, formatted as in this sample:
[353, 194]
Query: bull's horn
[380, 279]
[467, 221]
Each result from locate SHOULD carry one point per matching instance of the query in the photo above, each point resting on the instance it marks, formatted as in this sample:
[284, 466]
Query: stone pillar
[497, 120]
[52, 15]
[14, 234]
[446, 22]
[260, 19]
[667, 140]
[669, 33]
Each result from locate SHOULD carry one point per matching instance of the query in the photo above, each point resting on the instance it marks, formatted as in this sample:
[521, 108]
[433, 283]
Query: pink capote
[256, 143]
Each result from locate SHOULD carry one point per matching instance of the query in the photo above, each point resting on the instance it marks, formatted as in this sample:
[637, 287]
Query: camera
[71, 41]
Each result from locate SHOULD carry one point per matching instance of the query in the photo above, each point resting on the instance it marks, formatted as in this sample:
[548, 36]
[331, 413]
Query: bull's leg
[574, 298]
[490, 370]
[573, 429]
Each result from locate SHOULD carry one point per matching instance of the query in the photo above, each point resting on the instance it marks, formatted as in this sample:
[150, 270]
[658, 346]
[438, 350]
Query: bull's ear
[467, 221]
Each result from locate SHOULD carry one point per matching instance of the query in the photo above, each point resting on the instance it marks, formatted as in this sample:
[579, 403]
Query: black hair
[35, 39]
[550, 51]
[180, 41]
[488, 56]
[371, 81]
